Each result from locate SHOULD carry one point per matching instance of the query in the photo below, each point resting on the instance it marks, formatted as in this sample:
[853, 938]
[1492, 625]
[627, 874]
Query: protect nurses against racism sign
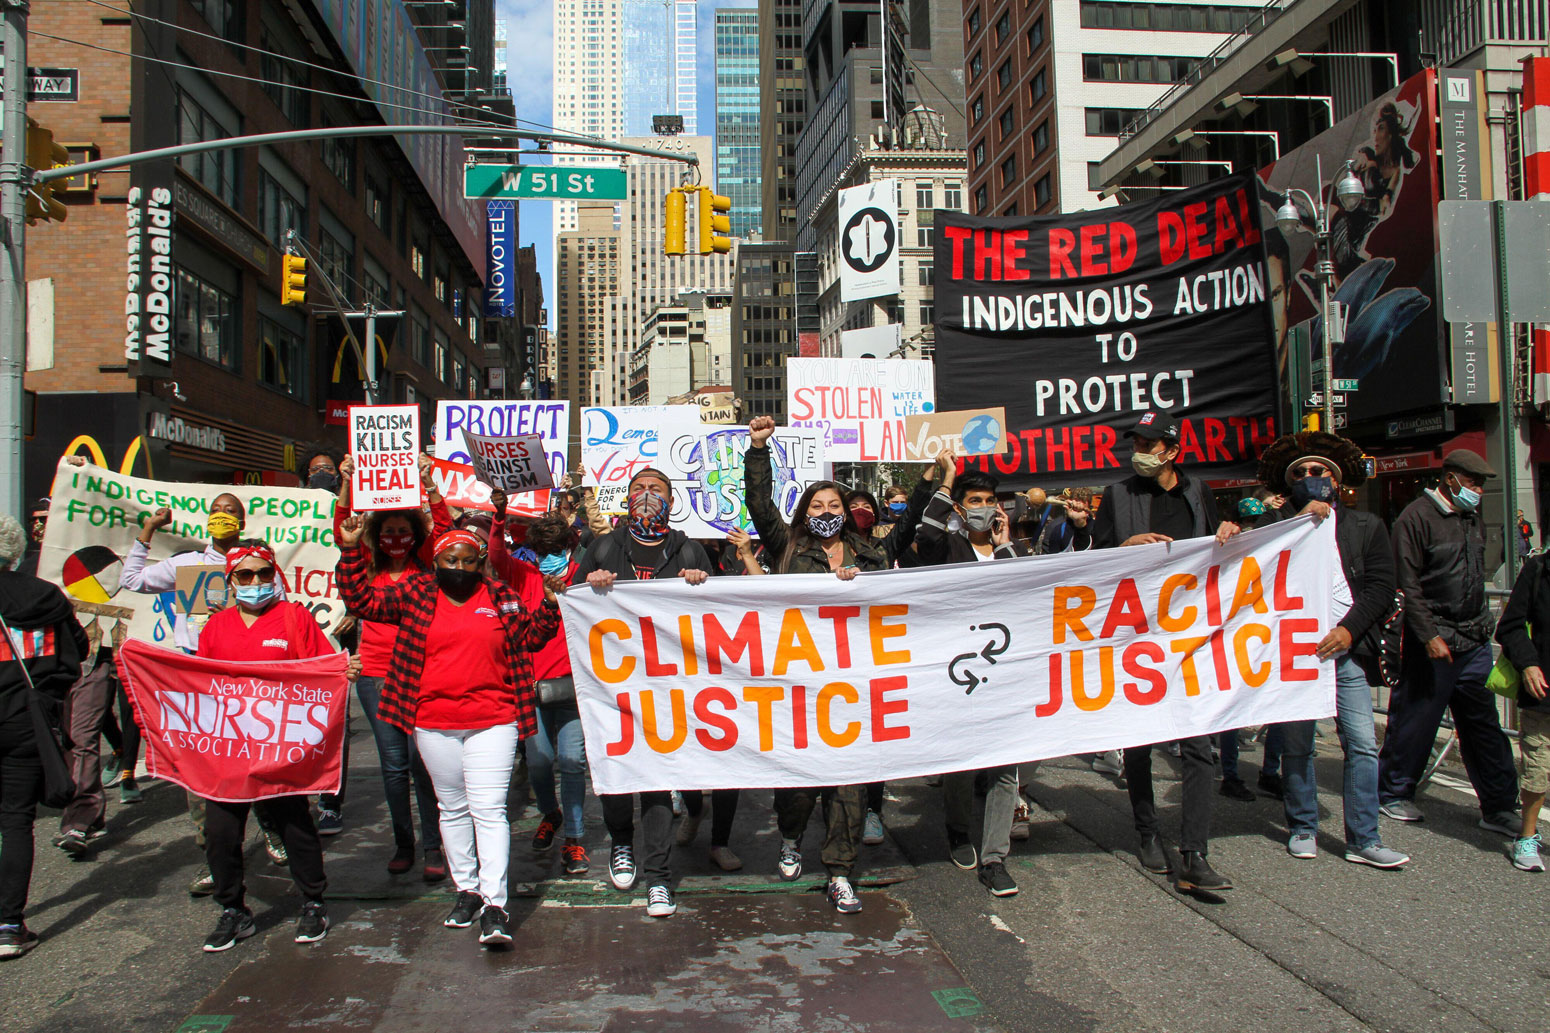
[385, 447]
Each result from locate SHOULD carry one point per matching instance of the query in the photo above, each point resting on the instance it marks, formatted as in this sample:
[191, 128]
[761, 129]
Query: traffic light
[675, 207]
[1310, 421]
[715, 226]
[293, 280]
[44, 154]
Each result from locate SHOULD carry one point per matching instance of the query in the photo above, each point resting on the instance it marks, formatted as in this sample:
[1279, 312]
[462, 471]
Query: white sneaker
[660, 903]
[1108, 763]
[872, 829]
[621, 867]
[790, 862]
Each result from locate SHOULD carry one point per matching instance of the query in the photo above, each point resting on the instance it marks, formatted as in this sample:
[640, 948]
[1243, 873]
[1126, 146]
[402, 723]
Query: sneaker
[574, 856]
[723, 857]
[403, 860]
[1175, 750]
[621, 866]
[203, 884]
[872, 829]
[16, 940]
[330, 823]
[690, 828]
[1378, 856]
[997, 880]
[1270, 785]
[312, 926]
[495, 927]
[962, 851]
[1021, 822]
[1525, 857]
[1153, 857]
[678, 804]
[274, 846]
[548, 828]
[843, 896]
[660, 903]
[464, 910]
[129, 791]
[1108, 763]
[435, 869]
[790, 863]
[1303, 845]
[1506, 822]
[1234, 789]
[1199, 875]
[73, 842]
[235, 924]
[112, 770]
[1401, 810]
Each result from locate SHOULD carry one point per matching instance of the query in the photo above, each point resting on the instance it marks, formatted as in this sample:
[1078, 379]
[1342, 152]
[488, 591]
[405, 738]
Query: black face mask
[323, 480]
[458, 583]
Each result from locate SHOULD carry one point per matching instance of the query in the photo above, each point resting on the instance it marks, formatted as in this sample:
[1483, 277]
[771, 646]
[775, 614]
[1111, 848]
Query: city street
[1451, 943]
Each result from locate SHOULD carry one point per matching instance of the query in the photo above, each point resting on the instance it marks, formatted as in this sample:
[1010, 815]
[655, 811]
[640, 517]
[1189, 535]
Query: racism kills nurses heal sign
[385, 445]
[1078, 323]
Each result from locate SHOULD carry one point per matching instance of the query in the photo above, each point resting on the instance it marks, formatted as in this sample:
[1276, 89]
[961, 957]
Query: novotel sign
[500, 294]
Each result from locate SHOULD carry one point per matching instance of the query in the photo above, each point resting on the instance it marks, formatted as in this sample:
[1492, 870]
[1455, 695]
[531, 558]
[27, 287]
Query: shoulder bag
[58, 784]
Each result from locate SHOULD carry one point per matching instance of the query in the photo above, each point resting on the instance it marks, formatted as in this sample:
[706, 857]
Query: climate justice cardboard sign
[1078, 323]
[806, 680]
[385, 448]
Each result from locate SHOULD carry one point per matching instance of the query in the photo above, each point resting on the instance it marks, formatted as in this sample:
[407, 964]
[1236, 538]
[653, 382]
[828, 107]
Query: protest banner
[512, 464]
[804, 680]
[970, 432]
[718, 407]
[1077, 323]
[859, 404]
[461, 487]
[96, 515]
[458, 483]
[385, 448]
[196, 584]
[236, 732]
[704, 462]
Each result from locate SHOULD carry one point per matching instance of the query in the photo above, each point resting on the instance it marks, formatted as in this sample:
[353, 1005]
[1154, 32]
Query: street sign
[1340, 421]
[60, 84]
[1467, 242]
[1317, 398]
[1344, 385]
[544, 182]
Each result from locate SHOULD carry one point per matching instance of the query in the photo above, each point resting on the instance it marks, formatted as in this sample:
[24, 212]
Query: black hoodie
[31, 604]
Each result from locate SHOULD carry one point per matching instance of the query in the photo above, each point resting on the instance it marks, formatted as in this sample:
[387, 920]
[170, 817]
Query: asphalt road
[1455, 942]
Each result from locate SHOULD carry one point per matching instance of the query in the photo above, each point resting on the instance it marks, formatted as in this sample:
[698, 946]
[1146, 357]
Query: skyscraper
[588, 83]
[737, 116]
[783, 100]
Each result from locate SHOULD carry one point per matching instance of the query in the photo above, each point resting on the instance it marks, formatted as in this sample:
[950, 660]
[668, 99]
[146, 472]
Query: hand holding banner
[385, 448]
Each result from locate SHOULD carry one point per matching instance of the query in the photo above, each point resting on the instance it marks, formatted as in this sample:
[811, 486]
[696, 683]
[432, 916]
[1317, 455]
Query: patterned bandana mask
[648, 516]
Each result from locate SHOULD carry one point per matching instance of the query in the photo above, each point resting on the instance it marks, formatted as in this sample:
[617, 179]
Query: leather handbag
[58, 784]
[556, 690]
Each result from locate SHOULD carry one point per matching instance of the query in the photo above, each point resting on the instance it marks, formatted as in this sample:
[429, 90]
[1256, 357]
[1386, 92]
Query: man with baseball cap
[1439, 559]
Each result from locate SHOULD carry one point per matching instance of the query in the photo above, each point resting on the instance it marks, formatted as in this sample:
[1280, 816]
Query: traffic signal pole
[14, 181]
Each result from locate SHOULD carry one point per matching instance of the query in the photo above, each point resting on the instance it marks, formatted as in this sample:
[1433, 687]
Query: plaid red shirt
[411, 605]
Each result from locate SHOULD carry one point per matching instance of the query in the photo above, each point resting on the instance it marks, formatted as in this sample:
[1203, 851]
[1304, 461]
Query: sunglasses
[247, 577]
[1310, 470]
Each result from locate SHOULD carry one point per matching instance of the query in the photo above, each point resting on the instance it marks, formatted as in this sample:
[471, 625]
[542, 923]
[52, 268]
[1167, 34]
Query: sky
[530, 73]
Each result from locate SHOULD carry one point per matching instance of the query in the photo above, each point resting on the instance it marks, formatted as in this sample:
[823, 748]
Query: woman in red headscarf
[461, 681]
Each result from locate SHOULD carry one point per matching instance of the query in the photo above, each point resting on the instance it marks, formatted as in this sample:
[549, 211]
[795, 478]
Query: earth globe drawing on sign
[981, 434]
[719, 461]
[91, 574]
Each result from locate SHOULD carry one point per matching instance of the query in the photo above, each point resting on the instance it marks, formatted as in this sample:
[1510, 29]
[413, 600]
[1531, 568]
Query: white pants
[471, 771]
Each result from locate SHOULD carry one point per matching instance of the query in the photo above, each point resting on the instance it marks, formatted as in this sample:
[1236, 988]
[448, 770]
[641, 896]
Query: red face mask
[864, 518]
[396, 545]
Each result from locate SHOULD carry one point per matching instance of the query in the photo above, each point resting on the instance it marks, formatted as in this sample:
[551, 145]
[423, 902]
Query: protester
[1312, 467]
[1160, 502]
[643, 548]
[461, 682]
[36, 524]
[1524, 634]
[896, 503]
[1525, 536]
[322, 465]
[1439, 555]
[261, 627]
[41, 650]
[744, 555]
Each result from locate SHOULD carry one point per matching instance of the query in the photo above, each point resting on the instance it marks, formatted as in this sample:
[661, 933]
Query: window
[1010, 209]
[979, 154]
[205, 320]
[1041, 138]
[923, 235]
[282, 358]
[217, 170]
[976, 110]
[1135, 68]
[1003, 26]
[980, 199]
[952, 196]
[1038, 86]
[877, 110]
[976, 66]
[417, 259]
[1109, 121]
[974, 23]
[374, 284]
[337, 257]
[1041, 191]
[1036, 34]
[1004, 75]
[925, 196]
[376, 204]
[224, 16]
[284, 82]
[1167, 17]
[420, 337]
[927, 271]
[1008, 124]
[443, 367]
[339, 156]
[1009, 170]
[279, 210]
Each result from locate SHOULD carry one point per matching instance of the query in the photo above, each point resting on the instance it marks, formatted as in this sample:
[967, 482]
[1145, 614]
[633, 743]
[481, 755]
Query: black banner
[1078, 323]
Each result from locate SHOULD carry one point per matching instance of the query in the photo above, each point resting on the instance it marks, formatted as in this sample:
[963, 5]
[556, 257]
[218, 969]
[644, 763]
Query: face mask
[864, 518]
[223, 526]
[1148, 466]
[1467, 499]
[396, 545]
[825, 525]
[648, 516]
[1312, 489]
[979, 519]
[554, 564]
[37, 529]
[456, 582]
[323, 479]
[255, 596]
[898, 509]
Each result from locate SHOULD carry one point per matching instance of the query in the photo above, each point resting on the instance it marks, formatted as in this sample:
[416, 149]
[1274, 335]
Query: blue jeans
[1274, 744]
[401, 763]
[559, 743]
[1353, 721]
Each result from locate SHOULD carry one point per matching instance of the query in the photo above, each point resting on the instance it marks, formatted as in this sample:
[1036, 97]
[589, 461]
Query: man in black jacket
[1162, 503]
[1311, 468]
[1439, 556]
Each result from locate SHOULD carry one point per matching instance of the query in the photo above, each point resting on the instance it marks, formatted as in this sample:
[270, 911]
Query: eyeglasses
[1309, 470]
[247, 577]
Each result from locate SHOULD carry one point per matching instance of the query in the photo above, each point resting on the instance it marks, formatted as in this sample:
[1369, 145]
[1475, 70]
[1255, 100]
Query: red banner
[460, 487]
[237, 732]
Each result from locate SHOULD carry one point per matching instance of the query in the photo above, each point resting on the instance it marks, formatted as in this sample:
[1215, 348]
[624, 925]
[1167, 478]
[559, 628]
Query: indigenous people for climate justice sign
[1077, 323]
[385, 447]
[752, 681]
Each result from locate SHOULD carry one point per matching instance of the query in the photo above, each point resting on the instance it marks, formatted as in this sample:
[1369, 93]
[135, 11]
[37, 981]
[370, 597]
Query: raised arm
[759, 487]
[384, 604]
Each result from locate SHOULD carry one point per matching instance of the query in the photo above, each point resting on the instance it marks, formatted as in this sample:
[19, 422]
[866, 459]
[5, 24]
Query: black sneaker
[495, 928]
[1153, 857]
[464, 911]
[997, 880]
[962, 851]
[73, 842]
[1199, 875]
[621, 867]
[548, 828]
[330, 823]
[1234, 789]
[235, 924]
[312, 926]
[16, 940]
[1270, 785]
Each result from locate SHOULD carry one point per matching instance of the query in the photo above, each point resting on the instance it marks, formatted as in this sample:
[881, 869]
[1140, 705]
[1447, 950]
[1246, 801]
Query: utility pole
[14, 181]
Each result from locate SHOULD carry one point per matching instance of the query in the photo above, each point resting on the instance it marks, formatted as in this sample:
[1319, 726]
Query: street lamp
[1289, 219]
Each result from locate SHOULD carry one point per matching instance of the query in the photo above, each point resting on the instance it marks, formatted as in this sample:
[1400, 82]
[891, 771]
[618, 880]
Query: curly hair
[1288, 448]
[13, 541]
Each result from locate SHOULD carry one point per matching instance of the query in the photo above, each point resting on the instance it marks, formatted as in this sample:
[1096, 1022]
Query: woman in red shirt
[261, 626]
[461, 681]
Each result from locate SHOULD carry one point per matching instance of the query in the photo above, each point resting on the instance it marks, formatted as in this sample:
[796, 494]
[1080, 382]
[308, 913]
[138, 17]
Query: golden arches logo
[98, 457]
[343, 349]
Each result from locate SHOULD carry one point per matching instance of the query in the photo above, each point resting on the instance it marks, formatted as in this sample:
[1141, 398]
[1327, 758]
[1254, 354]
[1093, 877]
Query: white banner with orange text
[805, 680]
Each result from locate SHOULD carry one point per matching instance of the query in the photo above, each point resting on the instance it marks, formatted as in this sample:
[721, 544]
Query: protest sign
[970, 432]
[496, 418]
[196, 583]
[719, 407]
[1077, 323]
[96, 515]
[872, 342]
[859, 404]
[234, 731]
[803, 680]
[461, 487]
[705, 464]
[515, 464]
[385, 448]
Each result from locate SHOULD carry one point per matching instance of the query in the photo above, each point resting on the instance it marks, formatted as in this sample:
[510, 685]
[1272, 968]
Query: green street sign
[1344, 385]
[544, 182]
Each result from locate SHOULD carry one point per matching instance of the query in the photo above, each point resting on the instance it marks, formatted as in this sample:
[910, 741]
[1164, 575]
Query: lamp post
[1349, 192]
